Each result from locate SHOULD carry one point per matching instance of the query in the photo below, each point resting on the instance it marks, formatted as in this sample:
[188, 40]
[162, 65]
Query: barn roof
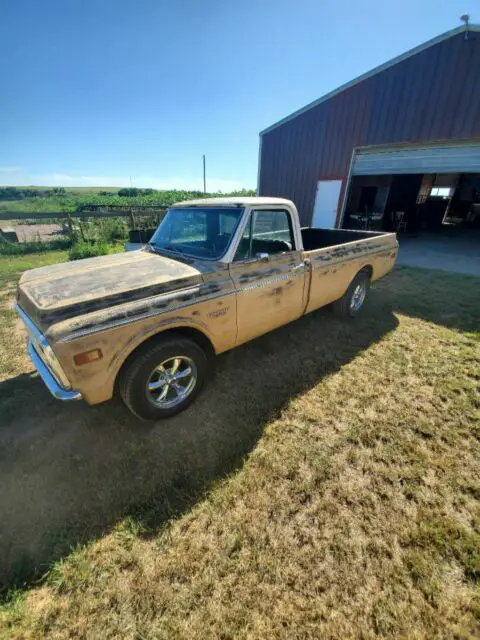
[372, 72]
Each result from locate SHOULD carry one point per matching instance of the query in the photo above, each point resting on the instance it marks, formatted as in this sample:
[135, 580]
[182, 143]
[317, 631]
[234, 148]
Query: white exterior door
[326, 204]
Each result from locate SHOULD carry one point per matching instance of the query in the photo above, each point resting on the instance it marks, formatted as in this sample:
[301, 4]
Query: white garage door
[448, 158]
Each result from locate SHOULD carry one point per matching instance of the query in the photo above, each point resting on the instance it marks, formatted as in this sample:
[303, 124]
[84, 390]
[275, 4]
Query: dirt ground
[36, 232]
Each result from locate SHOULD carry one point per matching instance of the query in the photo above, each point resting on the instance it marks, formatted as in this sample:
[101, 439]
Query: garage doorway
[428, 195]
[414, 188]
[414, 203]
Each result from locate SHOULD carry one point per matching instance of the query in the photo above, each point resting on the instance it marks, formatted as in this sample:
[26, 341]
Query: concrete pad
[450, 251]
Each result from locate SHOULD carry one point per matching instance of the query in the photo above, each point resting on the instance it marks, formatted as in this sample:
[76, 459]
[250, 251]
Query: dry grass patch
[355, 515]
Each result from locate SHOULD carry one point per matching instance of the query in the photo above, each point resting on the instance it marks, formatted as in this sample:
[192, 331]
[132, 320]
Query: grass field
[70, 199]
[325, 486]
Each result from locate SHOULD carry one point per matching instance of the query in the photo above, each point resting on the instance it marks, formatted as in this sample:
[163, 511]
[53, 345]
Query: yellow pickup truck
[217, 273]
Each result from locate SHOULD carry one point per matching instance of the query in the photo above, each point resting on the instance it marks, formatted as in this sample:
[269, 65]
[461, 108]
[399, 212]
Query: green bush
[22, 248]
[101, 230]
[82, 250]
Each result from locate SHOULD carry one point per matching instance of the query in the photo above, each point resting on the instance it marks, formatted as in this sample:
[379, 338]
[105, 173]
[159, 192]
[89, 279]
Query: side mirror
[263, 257]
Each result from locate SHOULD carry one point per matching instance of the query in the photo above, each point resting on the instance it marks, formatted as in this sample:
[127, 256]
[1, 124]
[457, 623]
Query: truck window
[266, 232]
[197, 232]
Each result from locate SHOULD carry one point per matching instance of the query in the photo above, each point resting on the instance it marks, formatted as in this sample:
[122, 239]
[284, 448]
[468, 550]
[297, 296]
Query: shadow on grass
[448, 299]
[69, 472]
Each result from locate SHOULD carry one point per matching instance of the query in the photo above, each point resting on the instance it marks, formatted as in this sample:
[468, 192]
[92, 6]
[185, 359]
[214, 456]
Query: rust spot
[274, 293]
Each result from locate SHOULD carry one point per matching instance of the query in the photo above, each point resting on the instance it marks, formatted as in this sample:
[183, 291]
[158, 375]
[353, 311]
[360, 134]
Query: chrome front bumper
[53, 386]
[46, 362]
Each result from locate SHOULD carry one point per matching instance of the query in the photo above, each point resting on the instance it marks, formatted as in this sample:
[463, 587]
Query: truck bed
[342, 254]
[322, 238]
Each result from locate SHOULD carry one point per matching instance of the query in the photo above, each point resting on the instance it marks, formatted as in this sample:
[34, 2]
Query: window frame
[250, 221]
[233, 239]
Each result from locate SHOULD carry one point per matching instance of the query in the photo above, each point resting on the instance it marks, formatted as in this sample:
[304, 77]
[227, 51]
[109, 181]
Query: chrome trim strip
[31, 328]
[274, 280]
[58, 392]
[49, 358]
[143, 316]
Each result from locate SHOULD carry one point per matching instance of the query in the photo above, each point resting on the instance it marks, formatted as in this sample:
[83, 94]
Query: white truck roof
[248, 201]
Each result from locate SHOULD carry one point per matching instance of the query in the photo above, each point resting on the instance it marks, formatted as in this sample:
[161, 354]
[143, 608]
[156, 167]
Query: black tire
[345, 306]
[137, 372]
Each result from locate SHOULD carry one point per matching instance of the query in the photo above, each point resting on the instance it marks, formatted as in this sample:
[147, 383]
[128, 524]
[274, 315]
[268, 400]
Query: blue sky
[98, 92]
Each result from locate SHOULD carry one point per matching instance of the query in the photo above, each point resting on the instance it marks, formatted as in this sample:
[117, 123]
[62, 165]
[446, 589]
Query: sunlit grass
[355, 512]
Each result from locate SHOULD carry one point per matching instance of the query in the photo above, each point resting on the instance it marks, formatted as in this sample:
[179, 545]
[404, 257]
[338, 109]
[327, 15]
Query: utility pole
[204, 176]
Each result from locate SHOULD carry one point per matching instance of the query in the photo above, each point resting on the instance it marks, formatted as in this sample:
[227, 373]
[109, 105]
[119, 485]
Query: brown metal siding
[433, 95]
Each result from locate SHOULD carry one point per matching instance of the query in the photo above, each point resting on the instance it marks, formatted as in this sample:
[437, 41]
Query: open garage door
[415, 159]
[414, 189]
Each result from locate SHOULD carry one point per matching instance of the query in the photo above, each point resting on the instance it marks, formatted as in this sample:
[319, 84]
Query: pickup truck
[216, 273]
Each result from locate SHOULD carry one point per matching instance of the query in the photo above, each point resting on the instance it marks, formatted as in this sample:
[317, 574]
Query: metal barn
[397, 148]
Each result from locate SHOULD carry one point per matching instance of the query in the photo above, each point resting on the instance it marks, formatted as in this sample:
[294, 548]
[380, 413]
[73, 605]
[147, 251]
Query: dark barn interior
[413, 203]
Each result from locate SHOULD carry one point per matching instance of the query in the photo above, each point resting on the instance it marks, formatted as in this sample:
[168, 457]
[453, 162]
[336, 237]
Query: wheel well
[195, 335]
[187, 332]
[367, 269]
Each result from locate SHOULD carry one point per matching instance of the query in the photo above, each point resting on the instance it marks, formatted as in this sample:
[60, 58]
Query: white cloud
[147, 181]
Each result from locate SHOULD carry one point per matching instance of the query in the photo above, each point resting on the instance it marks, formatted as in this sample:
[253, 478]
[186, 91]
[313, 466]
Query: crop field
[325, 485]
[42, 199]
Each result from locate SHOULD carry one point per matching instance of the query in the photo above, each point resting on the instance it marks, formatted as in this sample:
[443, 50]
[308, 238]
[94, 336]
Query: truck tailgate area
[322, 238]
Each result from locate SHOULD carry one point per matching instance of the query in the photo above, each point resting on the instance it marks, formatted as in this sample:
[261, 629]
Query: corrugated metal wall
[433, 95]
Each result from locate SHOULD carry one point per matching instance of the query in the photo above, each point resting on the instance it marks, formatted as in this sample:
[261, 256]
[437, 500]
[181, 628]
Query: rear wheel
[352, 302]
[164, 377]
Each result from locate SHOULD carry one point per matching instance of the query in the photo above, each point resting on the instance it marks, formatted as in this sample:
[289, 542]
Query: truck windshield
[200, 233]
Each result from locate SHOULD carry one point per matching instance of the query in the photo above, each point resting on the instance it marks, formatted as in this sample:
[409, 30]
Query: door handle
[297, 267]
[303, 265]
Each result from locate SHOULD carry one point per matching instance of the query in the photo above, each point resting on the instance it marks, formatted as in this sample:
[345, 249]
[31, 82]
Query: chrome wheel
[171, 382]
[358, 296]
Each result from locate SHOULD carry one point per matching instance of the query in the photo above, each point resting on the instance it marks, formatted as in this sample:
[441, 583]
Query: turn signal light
[87, 356]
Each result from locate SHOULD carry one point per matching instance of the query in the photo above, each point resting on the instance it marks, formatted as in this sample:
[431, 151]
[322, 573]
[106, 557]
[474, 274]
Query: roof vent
[465, 18]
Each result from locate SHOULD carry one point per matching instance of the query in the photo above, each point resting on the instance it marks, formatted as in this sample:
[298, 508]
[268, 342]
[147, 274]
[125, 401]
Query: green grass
[82, 250]
[325, 486]
[12, 267]
[23, 248]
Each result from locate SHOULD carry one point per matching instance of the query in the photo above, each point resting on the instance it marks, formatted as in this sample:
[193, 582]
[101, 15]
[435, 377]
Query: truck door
[268, 273]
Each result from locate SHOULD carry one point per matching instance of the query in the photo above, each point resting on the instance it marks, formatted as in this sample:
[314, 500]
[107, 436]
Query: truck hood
[62, 291]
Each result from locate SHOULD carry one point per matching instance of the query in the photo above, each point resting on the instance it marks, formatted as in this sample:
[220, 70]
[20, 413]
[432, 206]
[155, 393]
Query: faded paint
[116, 303]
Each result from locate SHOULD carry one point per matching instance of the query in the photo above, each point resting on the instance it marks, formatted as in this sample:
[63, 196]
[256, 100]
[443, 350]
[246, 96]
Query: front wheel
[164, 377]
[352, 302]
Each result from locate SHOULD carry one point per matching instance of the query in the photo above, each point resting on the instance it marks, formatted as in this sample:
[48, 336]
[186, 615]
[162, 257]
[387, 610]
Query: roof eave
[374, 71]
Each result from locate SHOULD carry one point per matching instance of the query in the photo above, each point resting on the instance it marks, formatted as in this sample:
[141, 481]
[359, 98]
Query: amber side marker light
[87, 356]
